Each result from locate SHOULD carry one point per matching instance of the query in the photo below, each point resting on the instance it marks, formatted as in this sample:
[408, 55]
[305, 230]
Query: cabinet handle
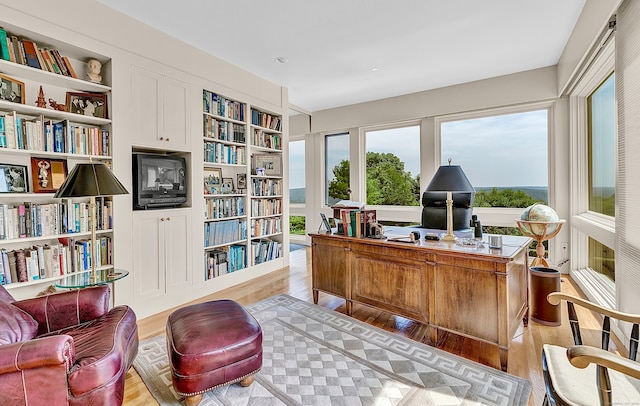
[167, 139]
[161, 218]
[168, 218]
[161, 138]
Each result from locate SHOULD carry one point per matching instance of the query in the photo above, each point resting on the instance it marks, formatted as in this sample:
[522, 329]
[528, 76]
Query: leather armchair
[65, 349]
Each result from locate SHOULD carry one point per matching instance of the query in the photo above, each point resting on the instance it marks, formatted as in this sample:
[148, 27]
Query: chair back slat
[575, 324]
[633, 342]
[606, 332]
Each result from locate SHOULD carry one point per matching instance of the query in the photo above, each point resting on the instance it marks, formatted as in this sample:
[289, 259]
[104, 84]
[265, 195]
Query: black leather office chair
[434, 210]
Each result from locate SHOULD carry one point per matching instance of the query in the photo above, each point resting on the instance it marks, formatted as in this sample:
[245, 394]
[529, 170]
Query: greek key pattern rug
[316, 356]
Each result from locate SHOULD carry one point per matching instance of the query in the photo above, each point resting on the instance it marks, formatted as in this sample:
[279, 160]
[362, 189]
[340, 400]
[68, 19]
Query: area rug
[316, 356]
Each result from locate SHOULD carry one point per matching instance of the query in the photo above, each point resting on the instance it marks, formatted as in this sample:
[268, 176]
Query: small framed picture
[88, 104]
[11, 89]
[48, 174]
[271, 163]
[227, 185]
[13, 178]
[212, 180]
[242, 181]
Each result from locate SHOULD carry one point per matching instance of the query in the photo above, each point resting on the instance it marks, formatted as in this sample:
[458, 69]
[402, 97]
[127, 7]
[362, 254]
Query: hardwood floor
[524, 355]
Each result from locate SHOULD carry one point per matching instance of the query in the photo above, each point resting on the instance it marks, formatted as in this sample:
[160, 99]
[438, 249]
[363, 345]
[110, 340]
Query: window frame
[586, 223]
[503, 216]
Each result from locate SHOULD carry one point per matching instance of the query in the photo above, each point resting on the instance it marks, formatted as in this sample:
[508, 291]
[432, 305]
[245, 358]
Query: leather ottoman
[210, 345]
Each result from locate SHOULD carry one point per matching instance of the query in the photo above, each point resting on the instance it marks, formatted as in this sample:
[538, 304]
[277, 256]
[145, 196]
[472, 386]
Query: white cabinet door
[161, 107]
[176, 115]
[148, 254]
[178, 247]
[146, 92]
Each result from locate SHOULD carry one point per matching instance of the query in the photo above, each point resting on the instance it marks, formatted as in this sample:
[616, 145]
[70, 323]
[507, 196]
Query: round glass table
[84, 279]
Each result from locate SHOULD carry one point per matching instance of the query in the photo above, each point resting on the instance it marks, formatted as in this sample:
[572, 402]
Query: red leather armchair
[65, 349]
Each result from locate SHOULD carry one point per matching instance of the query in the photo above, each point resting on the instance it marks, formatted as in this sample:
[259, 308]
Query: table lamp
[450, 179]
[91, 179]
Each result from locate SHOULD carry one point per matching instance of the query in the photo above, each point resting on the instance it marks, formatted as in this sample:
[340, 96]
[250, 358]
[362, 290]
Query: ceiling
[341, 52]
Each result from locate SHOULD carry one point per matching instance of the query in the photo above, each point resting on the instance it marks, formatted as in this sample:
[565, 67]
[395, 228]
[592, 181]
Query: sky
[502, 151]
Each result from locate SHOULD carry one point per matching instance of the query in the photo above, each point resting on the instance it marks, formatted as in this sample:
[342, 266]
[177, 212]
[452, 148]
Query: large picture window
[601, 114]
[504, 156]
[393, 166]
[337, 170]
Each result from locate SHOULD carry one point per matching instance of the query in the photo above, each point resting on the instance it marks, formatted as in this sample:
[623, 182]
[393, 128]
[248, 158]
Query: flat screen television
[159, 181]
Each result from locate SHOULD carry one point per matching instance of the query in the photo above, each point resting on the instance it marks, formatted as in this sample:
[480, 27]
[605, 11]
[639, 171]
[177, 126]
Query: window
[601, 116]
[602, 259]
[297, 187]
[337, 169]
[393, 166]
[297, 193]
[504, 156]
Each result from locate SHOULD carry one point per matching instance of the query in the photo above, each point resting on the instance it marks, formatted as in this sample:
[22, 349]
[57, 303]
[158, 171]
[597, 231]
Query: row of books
[27, 52]
[265, 120]
[42, 134]
[25, 220]
[49, 261]
[225, 260]
[266, 187]
[266, 140]
[216, 152]
[355, 222]
[265, 250]
[223, 130]
[213, 103]
[266, 207]
[266, 226]
[222, 207]
[224, 232]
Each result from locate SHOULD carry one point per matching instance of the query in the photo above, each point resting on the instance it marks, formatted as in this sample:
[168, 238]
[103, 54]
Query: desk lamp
[91, 179]
[450, 179]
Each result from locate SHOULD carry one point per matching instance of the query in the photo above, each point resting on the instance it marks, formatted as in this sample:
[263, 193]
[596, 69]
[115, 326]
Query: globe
[542, 213]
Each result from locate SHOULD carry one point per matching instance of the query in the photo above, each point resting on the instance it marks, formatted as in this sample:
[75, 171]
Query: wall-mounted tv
[158, 181]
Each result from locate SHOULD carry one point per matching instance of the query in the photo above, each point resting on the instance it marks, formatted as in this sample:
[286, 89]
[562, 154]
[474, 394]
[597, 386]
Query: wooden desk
[475, 292]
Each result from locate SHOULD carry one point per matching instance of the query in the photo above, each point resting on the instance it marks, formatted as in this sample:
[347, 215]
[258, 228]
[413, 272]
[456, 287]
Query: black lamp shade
[90, 179]
[450, 178]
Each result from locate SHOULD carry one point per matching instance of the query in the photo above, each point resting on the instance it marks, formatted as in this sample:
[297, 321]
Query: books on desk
[355, 222]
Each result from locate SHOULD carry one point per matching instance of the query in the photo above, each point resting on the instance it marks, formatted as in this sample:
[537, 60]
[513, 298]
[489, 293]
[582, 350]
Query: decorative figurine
[94, 67]
[41, 102]
[57, 106]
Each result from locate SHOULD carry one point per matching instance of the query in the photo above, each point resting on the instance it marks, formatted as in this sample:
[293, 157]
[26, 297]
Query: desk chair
[583, 375]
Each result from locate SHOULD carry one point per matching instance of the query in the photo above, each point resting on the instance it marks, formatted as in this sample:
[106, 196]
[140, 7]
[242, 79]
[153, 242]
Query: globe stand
[540, 231]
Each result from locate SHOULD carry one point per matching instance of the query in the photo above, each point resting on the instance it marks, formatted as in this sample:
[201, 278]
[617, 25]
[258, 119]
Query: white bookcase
[242, 210]
[51, 233]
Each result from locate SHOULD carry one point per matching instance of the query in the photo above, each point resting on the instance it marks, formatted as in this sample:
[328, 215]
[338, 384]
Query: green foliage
[504, 198]
[339, 185]
[297, 225]
[387, 181]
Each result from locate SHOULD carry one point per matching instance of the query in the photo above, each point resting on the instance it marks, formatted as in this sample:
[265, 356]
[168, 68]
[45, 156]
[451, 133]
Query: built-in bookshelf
[225, 192]
[242, 168]
[266, 186]
[42, 239]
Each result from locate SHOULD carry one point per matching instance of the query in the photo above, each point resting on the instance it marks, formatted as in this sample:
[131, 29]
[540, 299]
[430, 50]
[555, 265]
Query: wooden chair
[584, 375]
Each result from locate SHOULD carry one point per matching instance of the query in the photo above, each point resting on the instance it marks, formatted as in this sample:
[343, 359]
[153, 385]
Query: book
[30, 53]
[67, 63]
[17, 50]
[21, 265]
[4, 49]
[3, 136]
[12, 54]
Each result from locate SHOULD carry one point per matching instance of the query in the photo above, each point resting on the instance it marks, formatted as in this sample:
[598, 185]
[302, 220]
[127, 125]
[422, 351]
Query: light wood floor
[524, 355]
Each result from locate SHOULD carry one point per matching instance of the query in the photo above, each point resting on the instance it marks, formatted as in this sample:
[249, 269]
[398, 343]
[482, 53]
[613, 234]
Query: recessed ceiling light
[374, 69]
[281, 59]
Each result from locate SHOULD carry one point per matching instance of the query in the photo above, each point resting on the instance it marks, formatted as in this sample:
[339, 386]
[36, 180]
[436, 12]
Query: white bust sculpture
[94, 67]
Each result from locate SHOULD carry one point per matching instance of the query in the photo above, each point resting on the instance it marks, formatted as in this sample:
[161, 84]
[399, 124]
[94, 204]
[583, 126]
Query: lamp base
[448, 237]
